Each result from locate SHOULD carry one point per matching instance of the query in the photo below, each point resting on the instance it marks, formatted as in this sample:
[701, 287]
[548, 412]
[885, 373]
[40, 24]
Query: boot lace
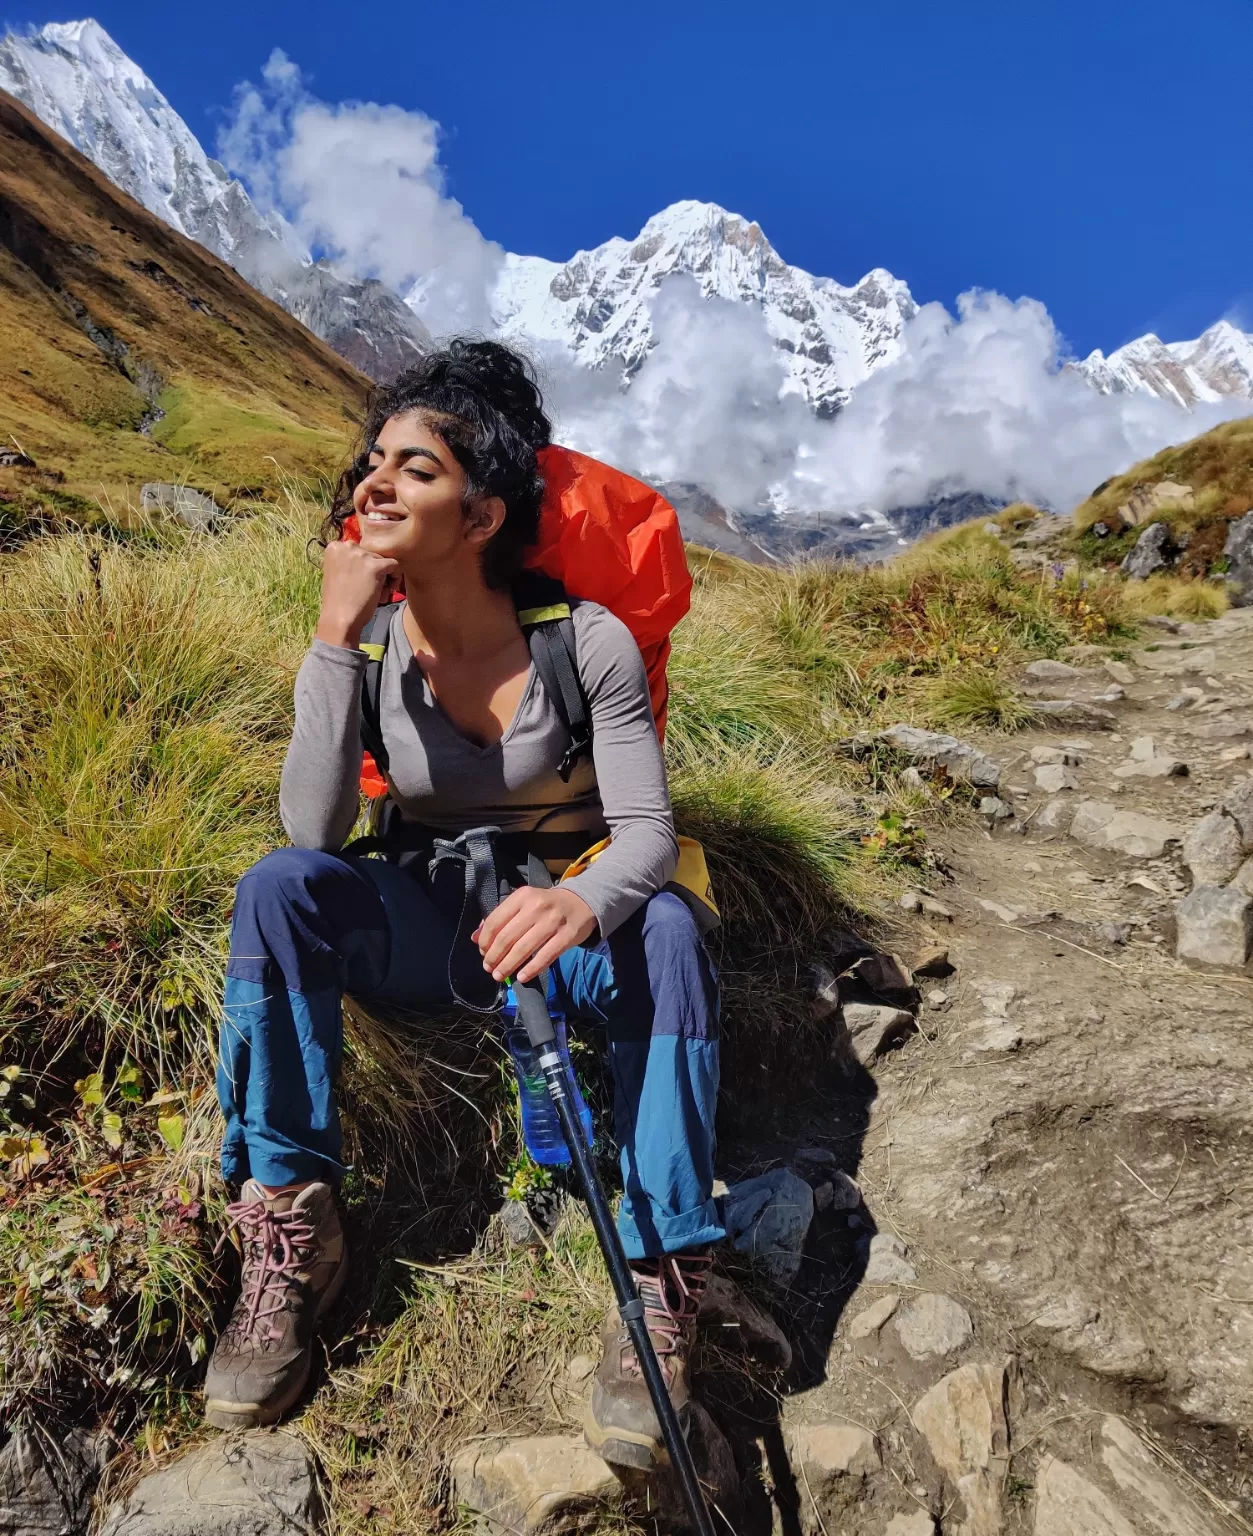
[671, 1288]
[275, 1246]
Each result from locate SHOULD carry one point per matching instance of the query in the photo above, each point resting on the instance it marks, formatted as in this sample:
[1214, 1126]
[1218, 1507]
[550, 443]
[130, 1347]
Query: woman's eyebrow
[424, 453]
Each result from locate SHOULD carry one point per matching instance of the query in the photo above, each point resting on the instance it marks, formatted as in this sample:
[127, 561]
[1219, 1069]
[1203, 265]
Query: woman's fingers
[520, 952]
[545, 956]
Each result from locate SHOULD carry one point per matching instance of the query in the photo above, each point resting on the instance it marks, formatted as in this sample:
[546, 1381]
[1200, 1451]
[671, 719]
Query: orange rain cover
[612, 540]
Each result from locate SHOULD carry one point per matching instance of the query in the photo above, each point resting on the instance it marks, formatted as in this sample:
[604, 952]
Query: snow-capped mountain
[1217, 366]
[598, 303]
[75, 78]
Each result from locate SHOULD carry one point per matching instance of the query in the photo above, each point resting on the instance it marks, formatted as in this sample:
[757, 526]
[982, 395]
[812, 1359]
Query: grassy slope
[1218, 465]
[144, 702]
[241, 382]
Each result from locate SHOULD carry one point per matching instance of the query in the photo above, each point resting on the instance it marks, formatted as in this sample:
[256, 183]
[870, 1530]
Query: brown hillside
[109, 318]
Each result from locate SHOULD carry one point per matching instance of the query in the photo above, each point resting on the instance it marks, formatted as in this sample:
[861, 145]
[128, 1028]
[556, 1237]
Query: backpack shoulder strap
[374, 639]
[544, 614]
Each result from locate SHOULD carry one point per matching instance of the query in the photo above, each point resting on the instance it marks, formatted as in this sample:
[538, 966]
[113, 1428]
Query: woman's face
[409, 505]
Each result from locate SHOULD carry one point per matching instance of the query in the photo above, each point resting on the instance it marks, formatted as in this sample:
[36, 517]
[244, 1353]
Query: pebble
[933, 908]
[932, 1324]
[886, 1261]
[912, 779]
[1120, 672]
[937, 1000]
[1046, 671]
[993, 807]
[1115, 933]
[870, 1319]
[1052, 778]
[998, 910]
[1044, 755]
[911, 901]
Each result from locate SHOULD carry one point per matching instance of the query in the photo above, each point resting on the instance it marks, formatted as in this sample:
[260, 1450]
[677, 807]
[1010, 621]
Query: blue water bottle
[540, 1127]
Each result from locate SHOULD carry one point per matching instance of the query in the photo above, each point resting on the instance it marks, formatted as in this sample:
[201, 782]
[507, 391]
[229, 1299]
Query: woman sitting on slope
[447, 495]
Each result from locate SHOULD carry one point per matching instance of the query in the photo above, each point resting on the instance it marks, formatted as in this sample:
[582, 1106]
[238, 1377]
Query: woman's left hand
[530, 928]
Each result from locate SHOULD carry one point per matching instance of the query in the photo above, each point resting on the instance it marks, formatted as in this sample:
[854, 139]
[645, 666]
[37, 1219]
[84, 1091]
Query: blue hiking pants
[310, 926]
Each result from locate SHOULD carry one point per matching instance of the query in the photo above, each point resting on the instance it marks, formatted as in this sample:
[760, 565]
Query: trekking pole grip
[532, 1000]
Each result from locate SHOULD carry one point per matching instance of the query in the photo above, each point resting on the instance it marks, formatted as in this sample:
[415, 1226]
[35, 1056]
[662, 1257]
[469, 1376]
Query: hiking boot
[621, 1426]
[294, 1267]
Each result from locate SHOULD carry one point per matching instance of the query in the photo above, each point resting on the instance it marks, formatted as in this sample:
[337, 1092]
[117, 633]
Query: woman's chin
[383, 538]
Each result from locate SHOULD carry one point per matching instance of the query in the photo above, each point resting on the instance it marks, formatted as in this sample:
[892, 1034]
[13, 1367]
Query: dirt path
[1067, 1146]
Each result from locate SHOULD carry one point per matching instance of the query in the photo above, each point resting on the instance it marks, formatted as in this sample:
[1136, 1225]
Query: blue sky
[1095, 155]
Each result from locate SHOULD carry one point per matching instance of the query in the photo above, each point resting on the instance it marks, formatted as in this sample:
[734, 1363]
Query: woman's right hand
[352, 588]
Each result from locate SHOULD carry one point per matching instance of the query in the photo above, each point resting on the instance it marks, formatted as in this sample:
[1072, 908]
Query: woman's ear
[485, 519]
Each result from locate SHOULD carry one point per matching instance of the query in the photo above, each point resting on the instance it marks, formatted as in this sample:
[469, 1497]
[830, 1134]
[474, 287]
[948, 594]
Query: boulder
[1242, 880]
[932, 1324]
[1102, 826]
[190, 507]
[875, 1027]
[1153, 551]
[262, 1483]
[1053, 778]
[46, 1484]
[533, 1485]
[935, 749]
[769, 1217]
[1160, 1505]
[1239, 552]
[741, 1321]
[1048, 671]
[1238, 804]
[1213, 849]
[963, 1420]
[886, 1263]
[1145, 500]
[1215, 926]
[1067, 1504]
[870, 1319]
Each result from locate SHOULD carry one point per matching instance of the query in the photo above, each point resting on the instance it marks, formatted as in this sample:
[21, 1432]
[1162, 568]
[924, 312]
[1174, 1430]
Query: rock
[1173, 663]
[769, 1217]
[911, 901]
[912, 779]
[913, 1524]
[932, 1324]
[934, 962]
[1238, 804]
[1120, 672]
[1161, 1505]
[935, 749]
[845, 1192]
[933, 908]
[1102, 530]
[996, 996]
[1052, 778]
[533, 1485]
[937, 999]
[1153, 551]
[870, 1319]
[1048, 755]
[741, 1321]
[1046, 671]
[1239, 552]
[261, 1483]
[1242, 880]
[1101, 826]
[887, 975]
[995, 1037]
[46, 1483]
[1115, 933]
[1213, 849]
[579, 1372]
[994, 808]
[1067, 1504]
[1215, 926]
[1234, 754]
[1145, 500]
[1075, 712]
[999, 911]
[826, 992]
[516, 1224]
[1112, 695]
[886, 1263]
[1154, 768]
[1055, 816]
[874, 1028]
[1222, 730]
[1143, 749]
[828, 1451]
[192, 508]
[963, 1420]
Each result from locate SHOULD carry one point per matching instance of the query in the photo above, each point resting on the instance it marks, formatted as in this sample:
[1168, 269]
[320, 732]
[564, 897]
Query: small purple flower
[1058, 570]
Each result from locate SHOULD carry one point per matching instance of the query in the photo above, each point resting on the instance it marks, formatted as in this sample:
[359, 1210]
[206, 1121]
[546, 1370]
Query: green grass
[145, 703]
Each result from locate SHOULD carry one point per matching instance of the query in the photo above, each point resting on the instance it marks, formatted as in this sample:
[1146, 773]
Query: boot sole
[624, 1447]
[221, 1413]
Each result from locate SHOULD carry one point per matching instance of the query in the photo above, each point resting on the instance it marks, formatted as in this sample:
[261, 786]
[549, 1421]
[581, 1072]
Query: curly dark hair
[483, 401]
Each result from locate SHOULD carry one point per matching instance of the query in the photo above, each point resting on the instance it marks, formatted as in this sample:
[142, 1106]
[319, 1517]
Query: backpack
[604, 537]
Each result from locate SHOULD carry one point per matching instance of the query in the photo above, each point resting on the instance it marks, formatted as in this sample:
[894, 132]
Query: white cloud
[979, 401]
[362, 184]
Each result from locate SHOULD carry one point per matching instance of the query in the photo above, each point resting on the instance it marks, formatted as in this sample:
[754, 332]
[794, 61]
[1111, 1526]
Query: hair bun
[506, 380]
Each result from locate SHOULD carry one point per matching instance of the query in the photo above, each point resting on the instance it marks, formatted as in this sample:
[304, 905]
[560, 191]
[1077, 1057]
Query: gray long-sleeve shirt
[442, 779]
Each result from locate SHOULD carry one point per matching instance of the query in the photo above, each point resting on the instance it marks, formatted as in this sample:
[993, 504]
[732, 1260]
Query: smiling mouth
[385, 517]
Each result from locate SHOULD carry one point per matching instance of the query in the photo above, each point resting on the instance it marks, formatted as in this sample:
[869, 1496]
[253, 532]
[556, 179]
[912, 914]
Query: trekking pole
[533, 1011]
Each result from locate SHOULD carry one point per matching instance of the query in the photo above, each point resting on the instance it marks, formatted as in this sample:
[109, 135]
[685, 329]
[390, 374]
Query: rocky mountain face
[75, 78]
[1217, 366]
[597, 305]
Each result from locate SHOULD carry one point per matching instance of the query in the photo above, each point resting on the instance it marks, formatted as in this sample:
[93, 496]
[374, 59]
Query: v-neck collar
[408, 659]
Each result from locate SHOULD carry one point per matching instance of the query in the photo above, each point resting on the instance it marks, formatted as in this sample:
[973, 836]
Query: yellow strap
[543, 615]
[374, 652]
